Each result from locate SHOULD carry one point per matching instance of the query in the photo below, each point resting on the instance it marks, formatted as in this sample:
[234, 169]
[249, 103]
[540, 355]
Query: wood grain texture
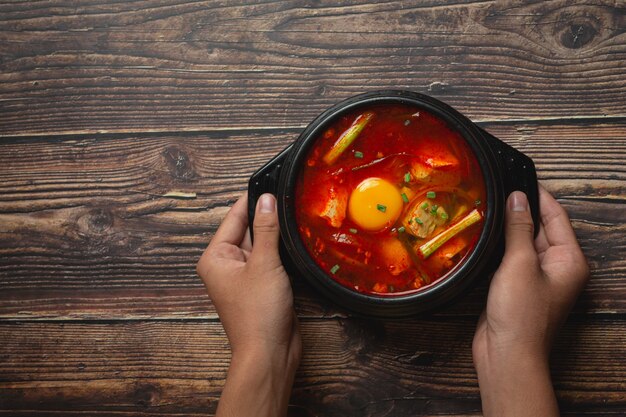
[350, 367]
[106, 107]
[85, 231]
[180, 66]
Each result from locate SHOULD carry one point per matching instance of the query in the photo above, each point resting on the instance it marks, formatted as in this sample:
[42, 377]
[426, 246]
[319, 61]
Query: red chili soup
[390, 199]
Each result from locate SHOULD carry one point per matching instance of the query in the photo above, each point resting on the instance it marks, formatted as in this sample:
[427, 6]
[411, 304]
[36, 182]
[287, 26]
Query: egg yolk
[375, 204]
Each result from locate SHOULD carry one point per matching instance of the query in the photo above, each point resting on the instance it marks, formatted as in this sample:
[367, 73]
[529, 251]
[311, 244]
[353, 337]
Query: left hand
[248, 284]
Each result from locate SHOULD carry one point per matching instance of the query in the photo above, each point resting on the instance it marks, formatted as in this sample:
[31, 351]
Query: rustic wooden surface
[107, 106]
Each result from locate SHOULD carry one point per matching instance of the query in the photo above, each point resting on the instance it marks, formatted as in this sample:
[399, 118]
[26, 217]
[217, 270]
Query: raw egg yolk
[375, 204]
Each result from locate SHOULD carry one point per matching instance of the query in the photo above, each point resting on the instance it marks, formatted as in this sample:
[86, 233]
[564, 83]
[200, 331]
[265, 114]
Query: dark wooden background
[107, 106]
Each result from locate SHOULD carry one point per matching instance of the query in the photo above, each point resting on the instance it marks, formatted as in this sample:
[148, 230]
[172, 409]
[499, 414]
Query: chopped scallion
[347, 137]
[407, 177]
[424, 206]
[434, 208]
[444, 215]
[401, 229]
[358, 154]
[418, 220]
[353, 231]
[477, 203]
[404, 198]
[334, 269]
[433, 244]
[381, 208]
[431, 194]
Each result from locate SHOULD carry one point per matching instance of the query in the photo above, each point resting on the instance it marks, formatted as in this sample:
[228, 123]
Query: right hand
[529, 298]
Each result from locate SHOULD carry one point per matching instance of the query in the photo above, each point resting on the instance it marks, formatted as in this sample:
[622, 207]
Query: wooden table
[107, 107]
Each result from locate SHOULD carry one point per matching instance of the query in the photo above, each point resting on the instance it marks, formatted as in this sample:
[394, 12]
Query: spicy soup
[390, 199]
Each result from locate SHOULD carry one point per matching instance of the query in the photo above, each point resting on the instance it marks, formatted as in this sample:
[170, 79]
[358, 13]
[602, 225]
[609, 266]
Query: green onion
[434, 208]
[444, 215]
[431, 194]
[418, 220]
[334, 269]
[353, 231]
[435, 243]
[401, 229]
[477, 203]
[381, 208]
[424, 206]
[358, 154]
[407, 177]
[347, 137]
[404, 198]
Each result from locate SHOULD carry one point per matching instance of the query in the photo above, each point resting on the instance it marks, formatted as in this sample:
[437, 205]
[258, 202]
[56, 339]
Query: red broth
[390, 200]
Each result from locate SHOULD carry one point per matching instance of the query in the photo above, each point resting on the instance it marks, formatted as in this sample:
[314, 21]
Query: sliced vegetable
[358, 154]
[431, 194]
[353, 231]
[408, 192]
[407, 177]
[404, 198]
[435, 243]
[347, 137]
[381, 208]
[334, 211]
[401, 229]
[439, 175]
[394, 256]
[334, 269]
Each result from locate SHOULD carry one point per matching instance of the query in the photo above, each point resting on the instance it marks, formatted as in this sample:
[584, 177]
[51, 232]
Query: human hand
[530, 296]
[252, 295]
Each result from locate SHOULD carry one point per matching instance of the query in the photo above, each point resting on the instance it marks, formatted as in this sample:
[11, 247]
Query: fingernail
[518, 201]
[267, 204]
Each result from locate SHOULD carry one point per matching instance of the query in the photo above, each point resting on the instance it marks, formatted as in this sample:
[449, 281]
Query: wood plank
[169, 65]
[350, 367]
[85, 232]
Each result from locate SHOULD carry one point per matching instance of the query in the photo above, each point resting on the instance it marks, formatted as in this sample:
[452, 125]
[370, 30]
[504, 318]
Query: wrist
[258, 384]
[263, 358]
[515, 382]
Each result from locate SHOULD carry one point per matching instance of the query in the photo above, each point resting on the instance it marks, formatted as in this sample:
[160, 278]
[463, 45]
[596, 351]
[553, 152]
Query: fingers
[518, 233]
[558, 229]
[266, 234]
[235, 224]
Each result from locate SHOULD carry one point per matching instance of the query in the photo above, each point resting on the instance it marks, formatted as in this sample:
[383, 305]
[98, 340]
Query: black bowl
[504, 170]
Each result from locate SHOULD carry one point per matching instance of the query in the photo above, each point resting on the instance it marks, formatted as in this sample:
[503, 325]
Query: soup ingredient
[347, 137]
[335, 209]
[375, 204]
[421, 221]
[435, 243]
[395, 256]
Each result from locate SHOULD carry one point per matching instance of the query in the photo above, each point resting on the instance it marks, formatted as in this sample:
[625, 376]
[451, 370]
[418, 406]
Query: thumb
[266, 233]
[519, 228]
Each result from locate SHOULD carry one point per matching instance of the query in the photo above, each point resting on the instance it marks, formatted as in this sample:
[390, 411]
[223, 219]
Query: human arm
[529, 298]
[252, 295]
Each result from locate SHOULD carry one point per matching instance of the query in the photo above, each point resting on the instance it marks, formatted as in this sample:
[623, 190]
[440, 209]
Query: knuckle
[521, 225]
[522, 259]
[265, 224]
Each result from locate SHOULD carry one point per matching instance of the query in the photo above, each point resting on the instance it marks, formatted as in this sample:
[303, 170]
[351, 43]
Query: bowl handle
[265, 180]
[518, 173]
